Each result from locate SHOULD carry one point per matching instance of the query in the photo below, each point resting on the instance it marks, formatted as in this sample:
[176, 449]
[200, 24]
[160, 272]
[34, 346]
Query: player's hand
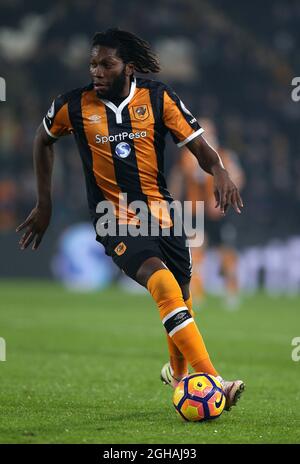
[35, 226]
[226, 193]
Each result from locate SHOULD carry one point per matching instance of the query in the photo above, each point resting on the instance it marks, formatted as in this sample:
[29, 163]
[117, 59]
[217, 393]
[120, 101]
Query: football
[199, 397]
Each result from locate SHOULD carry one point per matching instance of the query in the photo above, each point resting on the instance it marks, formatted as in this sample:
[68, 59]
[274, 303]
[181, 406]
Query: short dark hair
[130, 48]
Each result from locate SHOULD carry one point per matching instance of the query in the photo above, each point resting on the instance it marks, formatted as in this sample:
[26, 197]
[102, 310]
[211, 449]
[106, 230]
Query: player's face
[109, 73]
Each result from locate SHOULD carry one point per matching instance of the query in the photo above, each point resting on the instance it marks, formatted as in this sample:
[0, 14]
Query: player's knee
[148, 268]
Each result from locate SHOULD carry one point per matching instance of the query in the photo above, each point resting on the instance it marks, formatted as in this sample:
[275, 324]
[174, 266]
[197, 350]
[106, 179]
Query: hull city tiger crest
[141, 112]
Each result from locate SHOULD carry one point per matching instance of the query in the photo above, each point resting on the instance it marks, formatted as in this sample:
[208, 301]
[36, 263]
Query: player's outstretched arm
[226, 192]
[38, 220]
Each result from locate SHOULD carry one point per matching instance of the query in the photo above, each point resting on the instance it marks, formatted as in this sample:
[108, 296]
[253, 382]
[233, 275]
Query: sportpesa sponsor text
[120, 137]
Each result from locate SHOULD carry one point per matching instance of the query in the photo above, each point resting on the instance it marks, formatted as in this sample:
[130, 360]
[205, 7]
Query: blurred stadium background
[232, 63]
[228, 61]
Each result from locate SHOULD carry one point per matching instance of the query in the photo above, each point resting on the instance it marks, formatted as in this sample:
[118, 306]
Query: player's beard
[116, 88]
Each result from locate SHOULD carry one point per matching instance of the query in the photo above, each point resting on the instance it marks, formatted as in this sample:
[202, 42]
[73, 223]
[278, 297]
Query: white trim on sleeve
[47, 130]
[190, 137]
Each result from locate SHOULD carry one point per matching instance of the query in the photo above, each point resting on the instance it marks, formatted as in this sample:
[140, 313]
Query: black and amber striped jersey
[122, 147]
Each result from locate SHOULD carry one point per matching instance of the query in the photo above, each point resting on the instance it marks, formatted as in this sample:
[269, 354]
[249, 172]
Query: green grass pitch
[84, 368]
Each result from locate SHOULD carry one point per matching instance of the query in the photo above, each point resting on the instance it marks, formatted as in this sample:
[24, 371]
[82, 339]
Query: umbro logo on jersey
[94, 118]
[120, 137]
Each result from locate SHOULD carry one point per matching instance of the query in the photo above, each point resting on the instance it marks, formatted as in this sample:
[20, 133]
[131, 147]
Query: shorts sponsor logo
[120, 249]
[120, 137]
[123, 150]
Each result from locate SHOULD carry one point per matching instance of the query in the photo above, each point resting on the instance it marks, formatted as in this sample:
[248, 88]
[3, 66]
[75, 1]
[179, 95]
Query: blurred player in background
[187, 182]
[120, 122]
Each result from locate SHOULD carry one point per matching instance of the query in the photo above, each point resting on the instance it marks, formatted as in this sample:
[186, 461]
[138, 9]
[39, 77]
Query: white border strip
[181, 326]
[47, 130]
[190, 137]
[172, 313]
